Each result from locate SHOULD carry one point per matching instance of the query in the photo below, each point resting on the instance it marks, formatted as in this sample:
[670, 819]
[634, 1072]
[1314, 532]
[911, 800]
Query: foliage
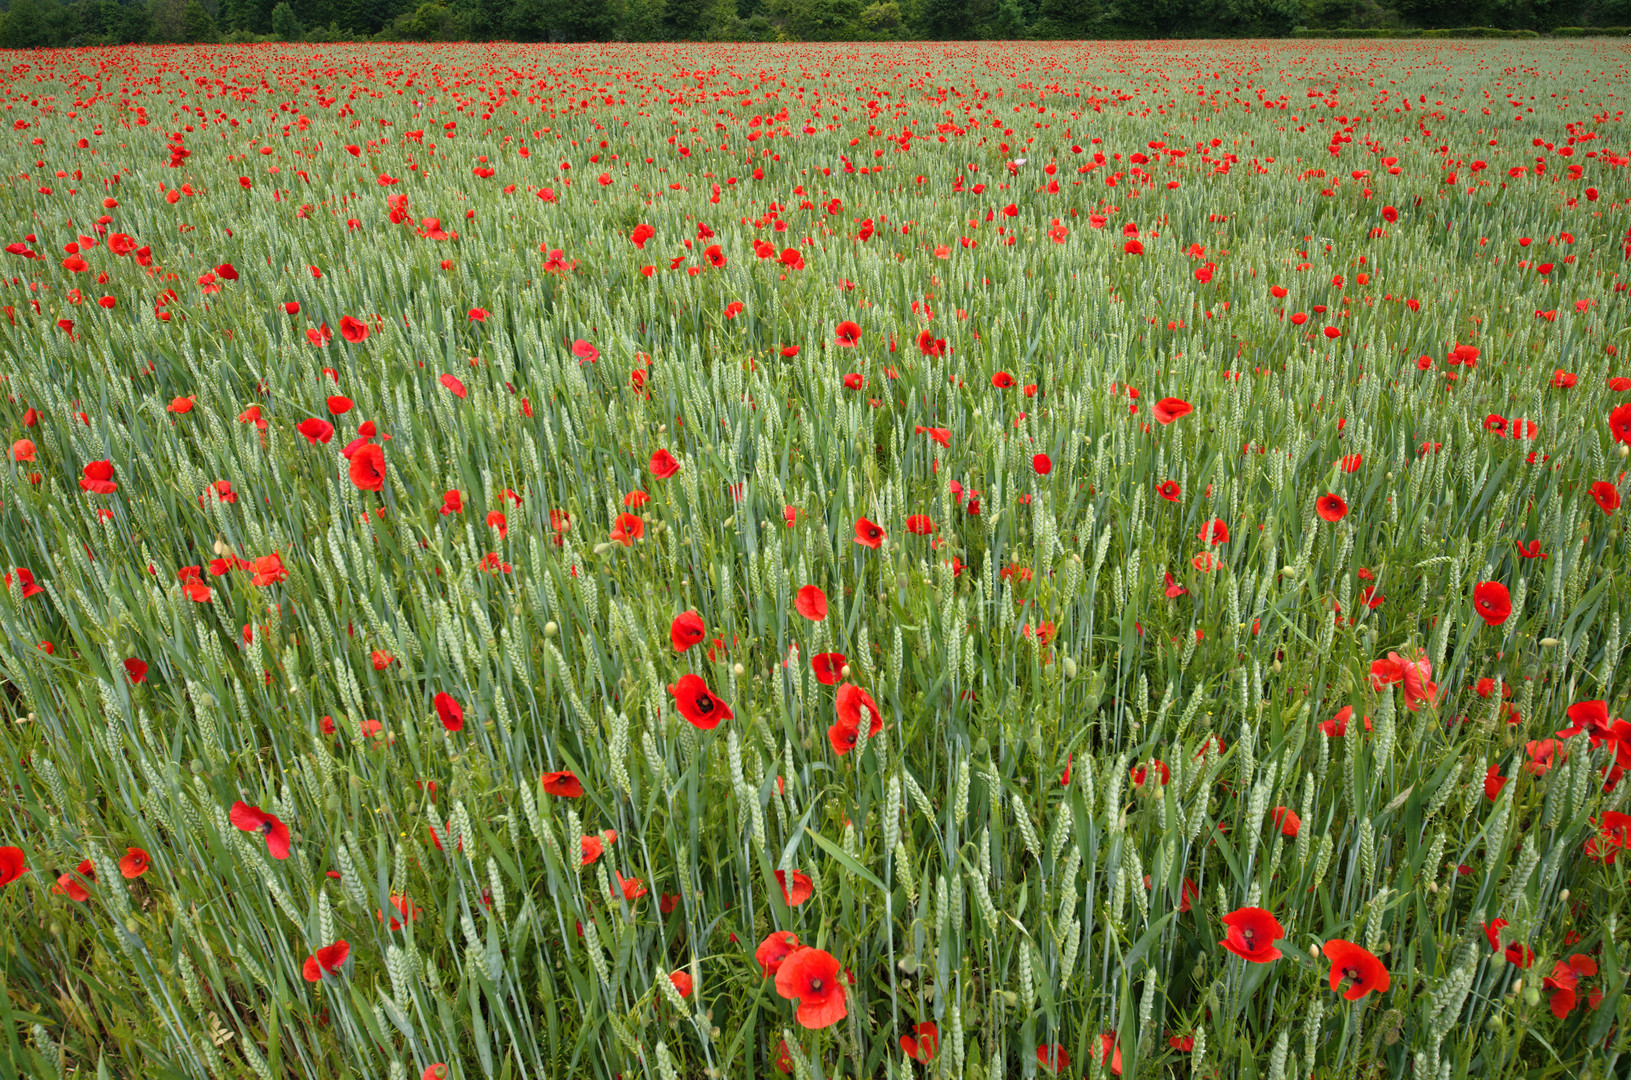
[1205, 462]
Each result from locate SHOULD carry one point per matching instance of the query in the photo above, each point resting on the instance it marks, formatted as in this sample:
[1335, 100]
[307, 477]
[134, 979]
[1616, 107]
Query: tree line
[35, 23]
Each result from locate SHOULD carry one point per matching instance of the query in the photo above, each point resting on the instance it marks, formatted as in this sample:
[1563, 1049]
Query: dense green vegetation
[32, 23]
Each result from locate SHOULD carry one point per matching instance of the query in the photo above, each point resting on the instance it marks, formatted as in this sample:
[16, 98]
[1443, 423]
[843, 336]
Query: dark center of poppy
[704, 704]
[1353, 973]
[815, 984]
[266, 828]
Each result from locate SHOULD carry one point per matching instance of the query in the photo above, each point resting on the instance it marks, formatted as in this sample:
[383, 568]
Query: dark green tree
[24, 26]
[196, 23]
[430, 21]
[489, 19]
[529, 20]
[881, 18]
[584, 20]
[135, 25]
[1067, 18]
[824, 20]
[684, 19]
[366, 16]
[285, 27]
[946, 20]
[1009, 24]
[643, 20]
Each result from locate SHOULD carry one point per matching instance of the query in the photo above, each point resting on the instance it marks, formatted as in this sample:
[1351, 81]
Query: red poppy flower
[938, 434]
[852, 703]
[1415, 675]
[1492, 602]
[136, 670]
[254, 819]
[1494, 782]
[697, 703]
[642, 232]
[627, 529]
[11, 865]
[72, 884]
[328, 959]
[811, 602]
[774, 949]
[682, 982]
[1362, 971]
[801, 890]
[1252, 934]
[135, 862]
[1053, 1058]
[22, 450]
[1002, 380]
[563, 784]
[1590, 717]
[315, 430]
[663, 465]
[1606, 495]
[919, 524]
[353, 330]
[437, 1071]
[686, 630]
[1286, 821]
[406, 912]
[25, 579]
[828, 667]
[816, 980]
[922, 1044]
[1541, 754]
[98, 478]
[1331, 507]
[1517, 954]
[847, 334]
[1619, 422]
[1532, 551]
[590, 848]
[1563, 980]
[267, 570]
[1138, 773]
[368, 467]
[1110, 1052]
[868, 534]
[449, 711]
[1169, 490]
[1041, 464]
[1214, 532]
[929, 345]
[1169, 409]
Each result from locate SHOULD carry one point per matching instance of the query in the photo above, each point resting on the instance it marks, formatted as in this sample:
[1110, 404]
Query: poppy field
[983, 560]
